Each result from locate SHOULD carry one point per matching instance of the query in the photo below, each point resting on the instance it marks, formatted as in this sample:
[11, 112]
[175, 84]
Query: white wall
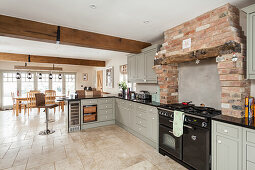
[79, 70]
[115, 62]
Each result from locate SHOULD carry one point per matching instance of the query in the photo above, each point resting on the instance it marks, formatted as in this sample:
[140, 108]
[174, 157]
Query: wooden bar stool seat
[40, 103]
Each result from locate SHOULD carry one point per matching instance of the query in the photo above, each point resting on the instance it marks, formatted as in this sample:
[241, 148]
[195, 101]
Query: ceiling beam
[50, 60]
[37, 68]
[31, 30]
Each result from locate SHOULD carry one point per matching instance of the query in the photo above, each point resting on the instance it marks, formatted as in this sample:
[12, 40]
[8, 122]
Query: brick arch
[209, 35]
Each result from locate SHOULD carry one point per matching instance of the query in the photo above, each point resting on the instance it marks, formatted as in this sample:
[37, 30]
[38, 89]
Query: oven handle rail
[186, 114]
[183, 125]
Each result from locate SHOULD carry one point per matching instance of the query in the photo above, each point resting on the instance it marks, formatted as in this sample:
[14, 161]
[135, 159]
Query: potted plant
[123, 86]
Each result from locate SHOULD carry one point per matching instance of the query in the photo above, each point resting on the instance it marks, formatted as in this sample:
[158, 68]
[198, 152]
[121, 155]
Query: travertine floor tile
[102, 148]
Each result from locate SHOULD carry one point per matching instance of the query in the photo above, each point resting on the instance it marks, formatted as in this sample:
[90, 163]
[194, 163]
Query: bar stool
[40, 103]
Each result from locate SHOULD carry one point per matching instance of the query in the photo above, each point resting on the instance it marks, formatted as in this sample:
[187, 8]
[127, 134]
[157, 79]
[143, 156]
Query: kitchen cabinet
[248, 149]
[132, 67]
[150, 75]
[140, 62]
[140, 66]
[105, 112]
[250, 11]
[139, 119]
[226, 146]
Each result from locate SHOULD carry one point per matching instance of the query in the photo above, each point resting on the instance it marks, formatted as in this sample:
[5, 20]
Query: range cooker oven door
[169, 143]
[196, 147]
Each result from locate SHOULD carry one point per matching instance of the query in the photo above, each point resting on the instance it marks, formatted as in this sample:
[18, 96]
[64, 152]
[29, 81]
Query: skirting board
[97, 124]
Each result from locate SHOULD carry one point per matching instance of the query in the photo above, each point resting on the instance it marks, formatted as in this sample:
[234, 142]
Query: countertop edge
[242, 122]
[154, 104]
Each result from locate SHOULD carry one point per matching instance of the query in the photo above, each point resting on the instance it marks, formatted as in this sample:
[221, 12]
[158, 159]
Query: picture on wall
[85, 76]
[109, 77]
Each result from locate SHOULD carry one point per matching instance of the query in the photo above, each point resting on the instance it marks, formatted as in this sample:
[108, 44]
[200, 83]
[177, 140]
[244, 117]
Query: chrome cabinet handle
[219, 141]
[170, 131]
[153, 118]
[226, 131]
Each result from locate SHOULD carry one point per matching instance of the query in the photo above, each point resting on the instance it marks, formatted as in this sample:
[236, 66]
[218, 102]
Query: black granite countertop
[155, 104]
[243, 122]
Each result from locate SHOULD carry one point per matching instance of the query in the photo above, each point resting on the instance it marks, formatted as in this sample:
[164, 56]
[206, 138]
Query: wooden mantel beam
[51, 60]
[227, 48]
[31, 30]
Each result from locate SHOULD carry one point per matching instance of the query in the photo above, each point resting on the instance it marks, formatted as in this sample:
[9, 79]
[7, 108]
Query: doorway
[100, 80]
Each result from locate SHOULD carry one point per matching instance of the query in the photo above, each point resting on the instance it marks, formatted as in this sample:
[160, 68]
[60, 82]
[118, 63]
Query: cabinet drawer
[105, 117]
[105, 101]
[250, 165]
[129, 105]
[227, 130]
[104, 111]
[120, 102]
[250, 153]
[104, 106]
[141, 114]
[250, 136]
[140, 129]
[89, 101]
[141, 122]
[152, 109]
[141, 107]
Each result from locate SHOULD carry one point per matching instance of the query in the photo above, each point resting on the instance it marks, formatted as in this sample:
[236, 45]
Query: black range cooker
[192, 149]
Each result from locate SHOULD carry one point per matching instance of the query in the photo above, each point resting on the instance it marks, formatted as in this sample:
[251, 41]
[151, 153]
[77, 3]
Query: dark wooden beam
[31, 30]
[37, 68]
[227, 48]
[26, 29]
[51, 60]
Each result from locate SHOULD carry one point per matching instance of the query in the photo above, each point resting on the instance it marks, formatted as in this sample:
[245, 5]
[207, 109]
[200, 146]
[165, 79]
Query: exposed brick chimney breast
[215, 33]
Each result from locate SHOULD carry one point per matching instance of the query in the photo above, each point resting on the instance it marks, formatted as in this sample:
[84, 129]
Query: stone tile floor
[108, 147]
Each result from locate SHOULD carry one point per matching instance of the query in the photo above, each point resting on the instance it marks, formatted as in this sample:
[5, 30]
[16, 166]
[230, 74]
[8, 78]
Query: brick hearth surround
[209, 30]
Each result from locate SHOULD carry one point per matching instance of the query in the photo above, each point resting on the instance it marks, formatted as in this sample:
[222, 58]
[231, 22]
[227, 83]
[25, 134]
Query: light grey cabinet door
[150, 74]
[140, 67]
[226, 153]
[250, 11]
[132, 72]
[153, 126]
[251, 46]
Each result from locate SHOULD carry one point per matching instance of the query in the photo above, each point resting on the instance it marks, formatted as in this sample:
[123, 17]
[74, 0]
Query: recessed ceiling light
[146, 22]
[93, 6]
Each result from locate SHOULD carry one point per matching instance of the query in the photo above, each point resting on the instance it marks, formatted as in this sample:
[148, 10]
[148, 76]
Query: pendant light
[29, 75]
[50, 76]
[18, 75]
[60, 76]
[40, 76]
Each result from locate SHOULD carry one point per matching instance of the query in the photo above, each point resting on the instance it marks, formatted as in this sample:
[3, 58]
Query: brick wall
[211, 29]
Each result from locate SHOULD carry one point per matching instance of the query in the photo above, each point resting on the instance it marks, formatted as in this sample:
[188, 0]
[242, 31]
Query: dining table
[20, 99]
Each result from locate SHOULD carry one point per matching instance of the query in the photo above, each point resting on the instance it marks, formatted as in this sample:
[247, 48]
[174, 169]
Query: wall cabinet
[250, 11]
[140, 66]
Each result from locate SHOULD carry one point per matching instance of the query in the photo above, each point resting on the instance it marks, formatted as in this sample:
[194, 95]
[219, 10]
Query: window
[26, 84]
[43, 84]
[57, 85]
[70, 83]
[9, 86]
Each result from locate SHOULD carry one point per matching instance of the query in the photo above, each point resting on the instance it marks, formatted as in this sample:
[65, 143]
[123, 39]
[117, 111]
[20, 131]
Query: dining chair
[50, 97]
[31, 102]
[22, 105]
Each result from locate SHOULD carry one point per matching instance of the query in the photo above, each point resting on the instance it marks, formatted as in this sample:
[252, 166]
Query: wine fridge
[74, 116]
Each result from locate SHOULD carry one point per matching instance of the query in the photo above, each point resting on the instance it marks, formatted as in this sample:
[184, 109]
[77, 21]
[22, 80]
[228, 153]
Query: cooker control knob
[204, 124]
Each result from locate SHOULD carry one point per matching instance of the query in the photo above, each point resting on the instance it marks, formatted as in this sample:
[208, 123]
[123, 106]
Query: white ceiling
[122, 18]
[20, 46]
